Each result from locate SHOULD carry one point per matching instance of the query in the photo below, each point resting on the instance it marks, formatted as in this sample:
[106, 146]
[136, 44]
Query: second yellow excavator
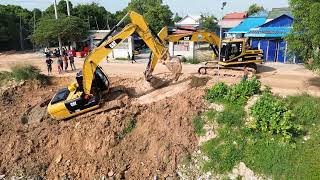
[235, 53]
[85, 94]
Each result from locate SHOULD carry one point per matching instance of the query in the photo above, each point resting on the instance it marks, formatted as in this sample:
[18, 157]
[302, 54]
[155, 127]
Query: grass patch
[198, 125]
[235, 94]
[21, 73]
[265, 149]
[193, 60]
[122, 59]
[233, 115]
[128, 128]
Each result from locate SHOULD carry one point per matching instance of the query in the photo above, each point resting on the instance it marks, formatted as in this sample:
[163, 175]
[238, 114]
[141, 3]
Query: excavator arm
[138, 25]
[196, 36]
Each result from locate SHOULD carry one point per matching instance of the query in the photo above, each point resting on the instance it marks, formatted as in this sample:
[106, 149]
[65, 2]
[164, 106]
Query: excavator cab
[71, 101]
[230, 50]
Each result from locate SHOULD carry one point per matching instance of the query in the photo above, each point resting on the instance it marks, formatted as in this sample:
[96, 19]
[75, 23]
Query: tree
[176, 18]
[209, 23]
[97, 16]
[61, 8]
[69, 28]
[304, 39]
[10, 16]
[255, 8]
[156, 14]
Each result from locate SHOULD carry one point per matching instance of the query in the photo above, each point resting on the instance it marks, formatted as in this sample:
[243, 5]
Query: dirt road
[285, 79]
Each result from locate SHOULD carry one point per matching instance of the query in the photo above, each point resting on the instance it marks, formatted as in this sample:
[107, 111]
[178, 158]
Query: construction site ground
[95, 145]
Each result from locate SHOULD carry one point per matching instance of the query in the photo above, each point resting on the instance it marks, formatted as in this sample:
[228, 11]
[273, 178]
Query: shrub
[217, 92]
[193, 61]
[22, 73]
[198, 125]
[240, 93]
[236, 94]
[271, 115]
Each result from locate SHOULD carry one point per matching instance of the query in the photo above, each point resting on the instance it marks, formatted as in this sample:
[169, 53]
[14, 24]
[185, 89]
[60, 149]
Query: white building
[121, 51]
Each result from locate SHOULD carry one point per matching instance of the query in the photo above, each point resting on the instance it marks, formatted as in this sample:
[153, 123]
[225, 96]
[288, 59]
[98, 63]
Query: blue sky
[183, 7]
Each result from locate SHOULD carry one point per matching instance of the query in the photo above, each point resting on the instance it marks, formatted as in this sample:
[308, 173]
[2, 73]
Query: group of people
[62, 62]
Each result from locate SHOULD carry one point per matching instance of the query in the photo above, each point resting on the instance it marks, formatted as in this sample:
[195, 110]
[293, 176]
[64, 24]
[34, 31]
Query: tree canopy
[69, 28]
[155, 12]
[209, 23]
[176, 18]
[304, 40]
[255, 8]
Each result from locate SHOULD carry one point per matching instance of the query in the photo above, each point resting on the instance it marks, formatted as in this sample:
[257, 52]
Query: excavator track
[228, 71]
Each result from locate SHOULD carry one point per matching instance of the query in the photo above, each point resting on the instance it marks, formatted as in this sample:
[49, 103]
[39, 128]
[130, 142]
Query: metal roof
[269, 32]
[276, 12]
[229, 23]
[247, 24]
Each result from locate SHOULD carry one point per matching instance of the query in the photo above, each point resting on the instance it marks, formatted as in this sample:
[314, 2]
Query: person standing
[71, 59]
[49, 65]
[132, 58]
[60, 65]
[66, 64]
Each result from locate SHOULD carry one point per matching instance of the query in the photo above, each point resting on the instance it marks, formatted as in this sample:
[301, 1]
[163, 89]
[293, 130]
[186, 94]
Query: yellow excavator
[235, 53]
[85, 94]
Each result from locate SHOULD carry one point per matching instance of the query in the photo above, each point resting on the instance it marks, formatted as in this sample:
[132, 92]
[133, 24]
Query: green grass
[265, 153]
[198, 125]
[193, 60]
[122, 59]
[128, 128]
[22, 73]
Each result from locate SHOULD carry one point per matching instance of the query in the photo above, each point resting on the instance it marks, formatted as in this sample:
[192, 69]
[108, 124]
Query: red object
[80, 54]
[73, 52]
[235, 15]
[86, 49]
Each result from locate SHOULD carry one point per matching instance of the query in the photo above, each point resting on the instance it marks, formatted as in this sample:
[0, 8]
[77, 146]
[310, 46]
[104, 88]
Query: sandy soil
[285, 79]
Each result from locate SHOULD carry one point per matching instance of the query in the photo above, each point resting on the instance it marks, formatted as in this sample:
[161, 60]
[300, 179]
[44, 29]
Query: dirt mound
[134, 140]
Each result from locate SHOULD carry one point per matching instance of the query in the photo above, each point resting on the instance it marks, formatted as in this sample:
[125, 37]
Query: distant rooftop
[235, 15]
[276, 12]
[247, 24]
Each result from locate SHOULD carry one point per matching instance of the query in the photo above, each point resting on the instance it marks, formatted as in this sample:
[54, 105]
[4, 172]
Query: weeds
[271, 146]
[198, 125]
[128, 129]
[22, 73]
[193, 60]
[238, 93]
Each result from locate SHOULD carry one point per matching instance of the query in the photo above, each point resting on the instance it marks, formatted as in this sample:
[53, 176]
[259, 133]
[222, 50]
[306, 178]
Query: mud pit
[89, 146]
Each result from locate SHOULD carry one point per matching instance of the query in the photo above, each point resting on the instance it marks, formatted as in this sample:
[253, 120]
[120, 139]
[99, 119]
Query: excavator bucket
[175, 67]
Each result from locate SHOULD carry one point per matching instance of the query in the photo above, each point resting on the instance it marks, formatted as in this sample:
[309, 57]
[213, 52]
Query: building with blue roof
[270, 37]
[245, 26]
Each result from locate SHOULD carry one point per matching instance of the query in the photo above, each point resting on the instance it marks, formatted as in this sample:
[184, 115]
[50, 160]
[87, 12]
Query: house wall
[185, 49]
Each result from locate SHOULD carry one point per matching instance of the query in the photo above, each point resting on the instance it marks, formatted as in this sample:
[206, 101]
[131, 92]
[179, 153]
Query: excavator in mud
[91, 83]
[235, 55]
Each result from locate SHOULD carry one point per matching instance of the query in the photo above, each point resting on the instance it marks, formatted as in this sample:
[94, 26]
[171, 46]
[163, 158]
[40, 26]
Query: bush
[193, 61]
[198, 125]
[238, 93]
[271, 115]
[22, 73]
[217, 92]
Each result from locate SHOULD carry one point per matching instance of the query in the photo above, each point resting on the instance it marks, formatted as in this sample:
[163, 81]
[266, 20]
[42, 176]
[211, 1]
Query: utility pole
[21, 38]
[34, 26]
[68, 8]
[56, 15]
[222, 8]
